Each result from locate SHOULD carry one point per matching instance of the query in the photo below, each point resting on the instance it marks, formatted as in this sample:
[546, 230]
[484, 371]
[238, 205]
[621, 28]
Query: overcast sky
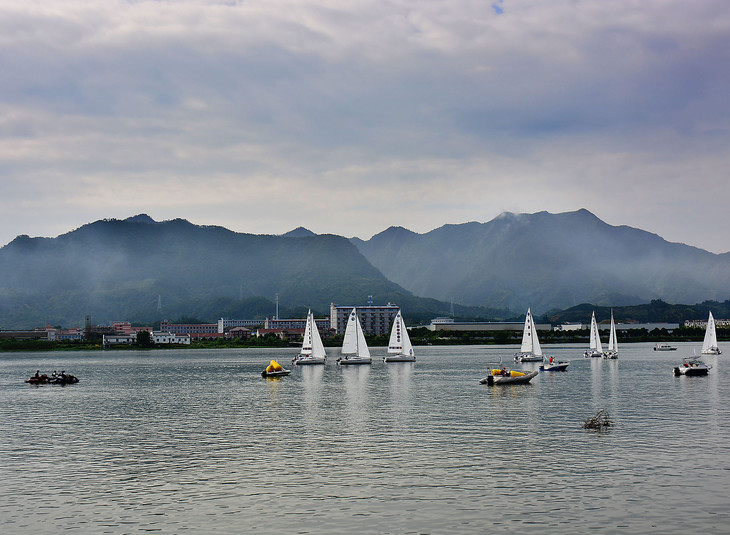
[350, 116]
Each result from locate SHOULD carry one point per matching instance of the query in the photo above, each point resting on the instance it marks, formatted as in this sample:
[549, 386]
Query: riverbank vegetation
[419, 336]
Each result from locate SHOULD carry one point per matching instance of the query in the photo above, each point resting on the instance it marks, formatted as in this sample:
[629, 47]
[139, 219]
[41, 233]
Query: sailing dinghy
[530, 351]
[354, 347]
[312, 351]
[709, 345]
[400, 348]
[612, 351]
[595, 350]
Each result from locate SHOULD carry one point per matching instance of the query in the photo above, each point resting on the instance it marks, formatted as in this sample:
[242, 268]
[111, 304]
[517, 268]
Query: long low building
[448, 324]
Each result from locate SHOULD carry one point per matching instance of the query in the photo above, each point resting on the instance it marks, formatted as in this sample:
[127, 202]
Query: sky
[351, 116]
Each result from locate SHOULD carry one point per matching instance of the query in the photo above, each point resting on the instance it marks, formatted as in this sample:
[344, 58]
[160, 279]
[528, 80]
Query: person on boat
[504, 371]
[37, 374]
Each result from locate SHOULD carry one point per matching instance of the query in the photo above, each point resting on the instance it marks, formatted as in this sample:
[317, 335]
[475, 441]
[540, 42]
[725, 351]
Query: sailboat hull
[303, 361]
[354, 361]
[399, 358]
[712, 351]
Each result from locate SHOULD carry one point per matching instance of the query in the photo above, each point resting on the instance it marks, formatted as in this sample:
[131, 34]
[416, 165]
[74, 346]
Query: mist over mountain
[142, 270]
[547, 261]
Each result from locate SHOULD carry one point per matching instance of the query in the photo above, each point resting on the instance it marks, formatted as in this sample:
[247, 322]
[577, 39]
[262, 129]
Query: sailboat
[400, 348]
[354, 348]
[595, 349]
[612, 351]
[312, 351]
[530, 351]
[709, 346]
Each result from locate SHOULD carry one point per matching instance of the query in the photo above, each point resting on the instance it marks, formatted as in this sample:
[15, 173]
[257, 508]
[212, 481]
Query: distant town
[376, 321]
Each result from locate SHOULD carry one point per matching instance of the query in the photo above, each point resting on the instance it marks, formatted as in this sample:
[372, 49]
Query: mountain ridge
[547, 261]
[115, 269]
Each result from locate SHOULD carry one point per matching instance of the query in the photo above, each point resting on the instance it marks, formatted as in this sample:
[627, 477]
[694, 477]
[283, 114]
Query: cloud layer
[351, 116]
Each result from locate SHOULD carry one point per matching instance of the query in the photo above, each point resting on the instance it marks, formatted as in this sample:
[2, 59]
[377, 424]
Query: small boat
[595, 350]
[612, 351]
[354, 347]
[551, 364]
[503, 376]
[400, 348]
[664, 347]
[709, 345]
[274, 369]
[530, 350]
[55, 379]
[312, 351]
[691, 366]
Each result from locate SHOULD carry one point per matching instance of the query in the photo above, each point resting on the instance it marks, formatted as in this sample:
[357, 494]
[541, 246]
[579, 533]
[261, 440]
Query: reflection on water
[197, 441]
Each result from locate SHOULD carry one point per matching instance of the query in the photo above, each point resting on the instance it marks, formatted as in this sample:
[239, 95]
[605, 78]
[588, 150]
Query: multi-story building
[299, 323]
[122, 327]
[224, 324]
[193, 329]
[375, 320]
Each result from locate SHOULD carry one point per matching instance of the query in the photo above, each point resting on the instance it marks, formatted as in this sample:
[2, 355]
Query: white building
[375, 320]
[119, 339]
[162, 337]
[448, 324]
[225, 323]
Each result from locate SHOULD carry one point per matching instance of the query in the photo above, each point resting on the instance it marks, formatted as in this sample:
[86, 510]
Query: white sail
[709, 345]
[353, 342]
[595, 342]
[530, 342]
[400, 342]
[307, 341]
[612, 339]
[317, 345]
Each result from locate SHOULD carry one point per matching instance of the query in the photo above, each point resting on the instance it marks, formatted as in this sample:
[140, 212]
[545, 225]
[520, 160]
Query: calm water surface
[196, 441]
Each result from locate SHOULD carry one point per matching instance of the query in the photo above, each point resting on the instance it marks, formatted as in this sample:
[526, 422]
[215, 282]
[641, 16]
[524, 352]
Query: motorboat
[54, 379]
[274, 369]
[664, 347]
[503, 376]
[692, 366]
[552, 364]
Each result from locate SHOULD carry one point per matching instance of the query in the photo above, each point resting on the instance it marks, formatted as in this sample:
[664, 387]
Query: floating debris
[599, 421]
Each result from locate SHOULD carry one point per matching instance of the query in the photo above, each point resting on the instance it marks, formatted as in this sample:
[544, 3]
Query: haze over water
[196, 441]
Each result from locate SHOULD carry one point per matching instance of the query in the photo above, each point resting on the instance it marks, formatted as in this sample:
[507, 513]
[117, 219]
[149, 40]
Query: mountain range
[142, 270]
[547, 261]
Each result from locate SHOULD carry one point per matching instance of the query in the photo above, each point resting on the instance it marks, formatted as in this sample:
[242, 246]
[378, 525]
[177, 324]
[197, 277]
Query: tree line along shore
[419, 336]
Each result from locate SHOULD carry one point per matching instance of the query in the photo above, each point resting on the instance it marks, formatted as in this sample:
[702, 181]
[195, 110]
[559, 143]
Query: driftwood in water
[599, 421]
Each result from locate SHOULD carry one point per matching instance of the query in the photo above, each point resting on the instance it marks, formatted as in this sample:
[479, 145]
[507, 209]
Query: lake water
[195, 441]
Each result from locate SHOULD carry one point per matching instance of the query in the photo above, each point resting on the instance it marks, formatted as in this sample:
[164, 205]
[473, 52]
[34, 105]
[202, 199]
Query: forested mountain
[143, 270]
[547, 261]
